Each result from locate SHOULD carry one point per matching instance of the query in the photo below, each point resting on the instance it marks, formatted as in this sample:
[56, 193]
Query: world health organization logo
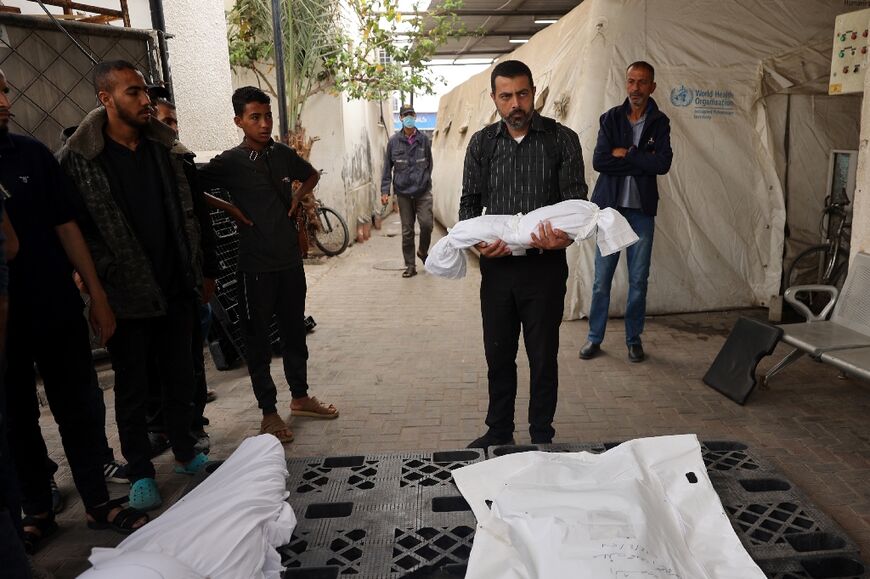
[682, 97]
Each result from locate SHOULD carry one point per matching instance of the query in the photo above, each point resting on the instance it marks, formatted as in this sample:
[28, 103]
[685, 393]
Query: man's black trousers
[527, 293]
[60, 347]
[168, 339]
[282, 294]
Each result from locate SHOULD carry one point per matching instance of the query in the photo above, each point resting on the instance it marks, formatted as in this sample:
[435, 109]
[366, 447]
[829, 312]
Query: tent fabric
[578, 219]
[645, 508]
[227, 527]
[723, 72]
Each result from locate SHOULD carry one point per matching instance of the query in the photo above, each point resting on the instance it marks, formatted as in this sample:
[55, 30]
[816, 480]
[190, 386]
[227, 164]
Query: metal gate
[50, 77]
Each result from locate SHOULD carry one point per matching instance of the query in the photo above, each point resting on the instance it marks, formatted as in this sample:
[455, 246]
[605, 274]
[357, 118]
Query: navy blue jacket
[650, 158]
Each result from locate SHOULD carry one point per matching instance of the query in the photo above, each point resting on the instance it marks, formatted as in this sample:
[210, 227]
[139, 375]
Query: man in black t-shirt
[143, 226]
[258, 175]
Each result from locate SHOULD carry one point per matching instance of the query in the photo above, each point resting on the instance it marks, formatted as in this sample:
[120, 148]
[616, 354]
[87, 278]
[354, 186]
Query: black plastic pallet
[399, 515]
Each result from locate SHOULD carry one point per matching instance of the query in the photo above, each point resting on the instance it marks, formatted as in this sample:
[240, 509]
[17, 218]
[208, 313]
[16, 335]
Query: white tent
[744, 83]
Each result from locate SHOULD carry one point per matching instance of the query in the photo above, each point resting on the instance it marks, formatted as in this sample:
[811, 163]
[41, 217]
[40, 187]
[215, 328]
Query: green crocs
[144, 495]
[194, 466]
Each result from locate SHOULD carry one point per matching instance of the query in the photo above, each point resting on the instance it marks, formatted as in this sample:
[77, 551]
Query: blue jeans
[639, 256]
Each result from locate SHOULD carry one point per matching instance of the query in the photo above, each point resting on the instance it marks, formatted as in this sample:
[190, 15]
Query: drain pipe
[158, 22]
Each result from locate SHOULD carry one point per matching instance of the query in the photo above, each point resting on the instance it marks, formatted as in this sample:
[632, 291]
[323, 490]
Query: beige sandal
[273, 424]
[313, 408]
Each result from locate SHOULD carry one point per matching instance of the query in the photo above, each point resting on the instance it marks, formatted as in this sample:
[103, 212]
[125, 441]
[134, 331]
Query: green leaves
[366, 50]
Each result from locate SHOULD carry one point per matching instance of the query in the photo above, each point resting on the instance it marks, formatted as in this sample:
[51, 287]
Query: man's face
[639, 85]
[256, 122]
[514, 97]
[127, 98]
[167, 116]
[5, 113]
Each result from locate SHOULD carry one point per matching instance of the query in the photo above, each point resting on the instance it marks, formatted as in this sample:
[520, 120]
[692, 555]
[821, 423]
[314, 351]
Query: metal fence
[50, 77]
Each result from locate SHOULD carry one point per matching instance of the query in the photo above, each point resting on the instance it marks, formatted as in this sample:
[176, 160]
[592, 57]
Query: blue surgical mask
[409, 122]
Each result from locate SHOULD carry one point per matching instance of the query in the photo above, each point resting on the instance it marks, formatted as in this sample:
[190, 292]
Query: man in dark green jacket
[139, 216]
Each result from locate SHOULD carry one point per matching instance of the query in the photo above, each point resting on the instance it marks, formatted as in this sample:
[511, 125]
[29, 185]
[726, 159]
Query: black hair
[104, 70]
[248, 94]
[510, 69]
[643, 65]
[165, 102]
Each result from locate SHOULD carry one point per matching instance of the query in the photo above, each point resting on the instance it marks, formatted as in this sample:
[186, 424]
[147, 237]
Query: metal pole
[279, 68]
[158, 22]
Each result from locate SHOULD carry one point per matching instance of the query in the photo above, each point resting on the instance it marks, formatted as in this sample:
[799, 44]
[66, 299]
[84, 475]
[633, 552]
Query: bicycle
[326, 228]
[828, 262]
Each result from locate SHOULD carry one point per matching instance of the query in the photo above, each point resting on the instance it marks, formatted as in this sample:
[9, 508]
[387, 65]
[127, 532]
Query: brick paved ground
[403, 360]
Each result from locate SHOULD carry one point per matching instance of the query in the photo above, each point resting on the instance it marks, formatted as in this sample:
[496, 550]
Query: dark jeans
[13, 561]
[523, 292]
[638, 257]
[168, 338]
[411, 209]
[60, 348]
[156, 419]
[98, 407]
[282, 294]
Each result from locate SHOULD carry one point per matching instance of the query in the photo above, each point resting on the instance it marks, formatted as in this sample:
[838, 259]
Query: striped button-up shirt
[521, 178]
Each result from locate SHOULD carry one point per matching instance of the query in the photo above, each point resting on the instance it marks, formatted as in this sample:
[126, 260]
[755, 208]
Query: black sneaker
[490, 439]
[57, 500]
[159, 443]
[115, 472]
[635, 353]
[589, 350]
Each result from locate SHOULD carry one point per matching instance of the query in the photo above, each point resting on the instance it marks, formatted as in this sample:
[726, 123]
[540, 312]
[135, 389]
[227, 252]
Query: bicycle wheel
[333, 237]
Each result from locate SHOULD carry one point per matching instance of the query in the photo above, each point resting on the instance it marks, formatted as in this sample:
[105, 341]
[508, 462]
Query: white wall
[199, 60]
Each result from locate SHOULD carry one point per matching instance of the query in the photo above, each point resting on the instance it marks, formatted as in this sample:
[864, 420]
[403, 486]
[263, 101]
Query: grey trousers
[417, 208]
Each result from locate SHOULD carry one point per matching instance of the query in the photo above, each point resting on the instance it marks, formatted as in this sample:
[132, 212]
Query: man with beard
[634, 147]
[143, 229]
[46, 329]
[519, 164]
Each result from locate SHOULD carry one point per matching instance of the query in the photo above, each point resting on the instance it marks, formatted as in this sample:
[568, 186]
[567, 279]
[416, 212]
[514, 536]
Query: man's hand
[208, 288]
[102, 318]
[549, 238]
[497, 248]
[619, 152]
[385, 198]
[237, 215]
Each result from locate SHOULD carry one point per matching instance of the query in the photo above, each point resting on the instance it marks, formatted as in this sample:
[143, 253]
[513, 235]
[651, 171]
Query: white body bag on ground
[226, 528]
[579, 219]
[632, 511]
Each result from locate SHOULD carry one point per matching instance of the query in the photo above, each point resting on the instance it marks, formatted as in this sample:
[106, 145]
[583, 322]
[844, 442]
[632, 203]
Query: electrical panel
[850, 58]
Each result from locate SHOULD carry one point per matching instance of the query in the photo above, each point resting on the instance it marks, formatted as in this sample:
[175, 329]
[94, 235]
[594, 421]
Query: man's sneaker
[57, 501]
[490, 439]
[115, 472]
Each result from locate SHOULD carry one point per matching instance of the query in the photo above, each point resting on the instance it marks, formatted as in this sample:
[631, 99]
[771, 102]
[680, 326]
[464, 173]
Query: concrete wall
[861, 209]
[198, 57]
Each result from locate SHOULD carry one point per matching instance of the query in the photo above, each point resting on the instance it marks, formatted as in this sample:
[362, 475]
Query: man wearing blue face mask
[408, 166]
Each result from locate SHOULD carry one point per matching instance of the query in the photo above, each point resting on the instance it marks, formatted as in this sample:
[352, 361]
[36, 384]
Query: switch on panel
[849, 58]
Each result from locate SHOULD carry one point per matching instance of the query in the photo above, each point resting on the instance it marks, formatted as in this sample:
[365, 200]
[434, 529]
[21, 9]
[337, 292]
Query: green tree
[322, 51]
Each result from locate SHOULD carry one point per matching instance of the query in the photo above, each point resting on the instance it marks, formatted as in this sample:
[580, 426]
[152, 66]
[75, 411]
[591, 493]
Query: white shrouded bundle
[227, 527]
[579, 219]
[645, 508]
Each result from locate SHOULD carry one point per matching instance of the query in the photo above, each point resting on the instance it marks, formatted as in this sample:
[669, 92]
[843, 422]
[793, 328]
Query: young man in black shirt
[259, 174]
[143, 226]
[522, 163]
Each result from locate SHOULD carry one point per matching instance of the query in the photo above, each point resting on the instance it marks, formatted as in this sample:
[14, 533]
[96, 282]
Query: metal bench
[844, 340]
